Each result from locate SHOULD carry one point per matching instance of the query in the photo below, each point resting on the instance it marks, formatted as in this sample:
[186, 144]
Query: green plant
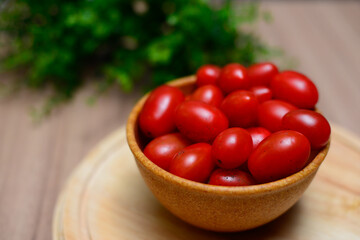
[54, 41]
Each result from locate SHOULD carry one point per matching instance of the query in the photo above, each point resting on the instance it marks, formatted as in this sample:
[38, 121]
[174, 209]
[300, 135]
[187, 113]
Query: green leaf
[161, 50]
[124, 81]
[54, 42]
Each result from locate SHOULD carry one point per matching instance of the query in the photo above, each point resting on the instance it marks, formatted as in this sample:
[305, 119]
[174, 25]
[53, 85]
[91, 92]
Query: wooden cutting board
[106, 199]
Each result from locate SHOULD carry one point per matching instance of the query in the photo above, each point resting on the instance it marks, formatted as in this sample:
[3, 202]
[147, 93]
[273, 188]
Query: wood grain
[321, 36]
[35, 160]
[106, 198]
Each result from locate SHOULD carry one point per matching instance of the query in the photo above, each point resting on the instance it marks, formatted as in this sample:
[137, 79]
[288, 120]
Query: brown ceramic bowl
[218, 208]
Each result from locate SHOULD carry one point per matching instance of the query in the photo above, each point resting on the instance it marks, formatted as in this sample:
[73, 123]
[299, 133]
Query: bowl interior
[137, 141]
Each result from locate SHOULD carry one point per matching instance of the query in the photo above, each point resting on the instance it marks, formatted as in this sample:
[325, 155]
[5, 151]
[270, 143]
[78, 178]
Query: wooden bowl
[218, 208]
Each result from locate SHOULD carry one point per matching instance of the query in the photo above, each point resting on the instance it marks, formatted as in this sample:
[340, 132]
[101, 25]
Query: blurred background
[71, 72]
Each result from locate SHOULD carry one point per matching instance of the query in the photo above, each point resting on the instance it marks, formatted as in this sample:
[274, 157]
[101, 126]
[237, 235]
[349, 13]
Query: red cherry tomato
[262, 93]
[233, 77]
[258, 134]
[244, 167]
[199, 121]
[279, 155]
[233, 177]
[207, 74]
[270, 114]
[157, 115]
[312, 124]
[241, 108]
[232, 147]
[295, 88]
[193, 163]
[262, 73]
[161, 150]
[209, 94]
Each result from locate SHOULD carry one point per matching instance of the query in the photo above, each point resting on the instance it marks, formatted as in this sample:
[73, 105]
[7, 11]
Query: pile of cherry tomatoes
[241, 126]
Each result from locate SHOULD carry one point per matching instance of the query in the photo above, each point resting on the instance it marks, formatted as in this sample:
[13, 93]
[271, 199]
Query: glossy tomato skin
[270, 114]
[162, 150]
[194, 163]
[241, 108]
[199, 121]
[258, 134]
[233, 77]
[261, 74]
[232, 177]
[157, 115]
[262, 93]
[232, 147]
[207, 74]
[281, 154]
[312, 124]
[209, 94]
[295, 88]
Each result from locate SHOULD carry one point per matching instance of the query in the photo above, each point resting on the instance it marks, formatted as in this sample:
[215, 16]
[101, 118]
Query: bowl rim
[297, 177]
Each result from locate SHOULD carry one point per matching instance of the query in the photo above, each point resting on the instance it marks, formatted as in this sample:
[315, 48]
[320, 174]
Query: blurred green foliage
[54, 41]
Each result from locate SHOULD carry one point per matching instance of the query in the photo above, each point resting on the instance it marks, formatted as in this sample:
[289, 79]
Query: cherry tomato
[161, 150]
[295, 88]
[233, 177]
[193, 163]
[199, 121]
[233, 77]
[209, 94]
[258, 134]
[262, 93]
[279, 155]
[241, 108]
[261, 74]
[157, 115]
[244, 167]
[312, 124]
[207, 74]
[270, 114]
[232, 147]
[313, 154]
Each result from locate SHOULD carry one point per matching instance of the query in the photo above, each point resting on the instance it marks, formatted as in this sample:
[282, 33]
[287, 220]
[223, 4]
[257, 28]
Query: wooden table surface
[35, 160]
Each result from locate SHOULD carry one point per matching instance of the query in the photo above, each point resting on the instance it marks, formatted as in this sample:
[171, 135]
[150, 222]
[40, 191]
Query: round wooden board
[106, 199]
